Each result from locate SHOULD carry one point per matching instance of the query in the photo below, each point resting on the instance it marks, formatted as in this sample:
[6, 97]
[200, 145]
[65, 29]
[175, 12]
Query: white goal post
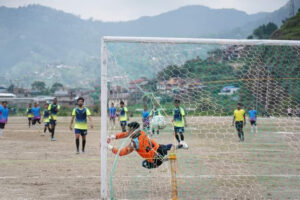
[152, 40]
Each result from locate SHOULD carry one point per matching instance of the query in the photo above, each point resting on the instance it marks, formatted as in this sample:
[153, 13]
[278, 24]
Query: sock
[255, 129]
[45, 130]
[1, 132]
[52, 133]
[239, 135]
[181, 137]
[77, 144]
[251, 129]
[83, 144]
[177, 137]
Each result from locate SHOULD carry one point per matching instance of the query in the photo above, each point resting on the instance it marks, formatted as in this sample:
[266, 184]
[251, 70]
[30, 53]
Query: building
[229, 90]
[7, 96]
[66, 97]
[3, 89]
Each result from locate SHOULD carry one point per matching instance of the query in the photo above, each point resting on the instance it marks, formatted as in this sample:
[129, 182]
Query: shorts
[179, 129]
[112, 117]
[29, 118]
[123, 123]
[290, 114]
[253, 123]
[53, 122]
[47, 123]
[2, 125]
[239, 125]
[161, 152]
[81, 132]
[34, 121]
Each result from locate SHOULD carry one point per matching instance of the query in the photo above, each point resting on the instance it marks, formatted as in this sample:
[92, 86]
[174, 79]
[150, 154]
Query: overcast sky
[121, 10]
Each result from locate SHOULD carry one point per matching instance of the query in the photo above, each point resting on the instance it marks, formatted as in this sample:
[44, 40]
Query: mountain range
[41, 43]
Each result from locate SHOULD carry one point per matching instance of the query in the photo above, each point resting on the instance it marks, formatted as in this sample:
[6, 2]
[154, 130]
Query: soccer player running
[179, 122]
[253, 117]
[146, 119]
[123, 116]
[80, 114]
[29, 114]
[53, 110]
[36, 114]
[239, 119]
[112, 114]
[3, 116]
[46, 119]
[153, 153]
[154, 112]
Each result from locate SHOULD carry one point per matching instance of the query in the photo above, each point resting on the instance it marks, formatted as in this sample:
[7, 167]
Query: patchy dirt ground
[216, 166]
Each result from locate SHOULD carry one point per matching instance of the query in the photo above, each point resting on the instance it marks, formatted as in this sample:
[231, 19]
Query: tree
[39, 86]
[56, 86]
[264, 31]
[11, 88]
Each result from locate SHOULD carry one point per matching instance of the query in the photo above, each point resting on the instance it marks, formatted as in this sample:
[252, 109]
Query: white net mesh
[210, 79]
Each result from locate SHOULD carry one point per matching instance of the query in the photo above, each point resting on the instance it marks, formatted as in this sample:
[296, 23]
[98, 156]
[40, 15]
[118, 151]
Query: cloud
[116, 10]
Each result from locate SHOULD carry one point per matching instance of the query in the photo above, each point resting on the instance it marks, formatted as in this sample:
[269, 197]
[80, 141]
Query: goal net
[209, 77]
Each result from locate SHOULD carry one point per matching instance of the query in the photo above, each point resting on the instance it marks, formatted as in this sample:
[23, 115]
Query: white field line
[141, 176]
[287, 133]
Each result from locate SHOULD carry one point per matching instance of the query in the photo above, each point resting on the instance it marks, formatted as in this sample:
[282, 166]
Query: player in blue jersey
[113, 114]
[146, 119]
[3, 116]
[36, 114]
[253, 118]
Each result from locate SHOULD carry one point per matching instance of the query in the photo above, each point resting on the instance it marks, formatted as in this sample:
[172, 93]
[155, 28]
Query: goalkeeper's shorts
[161, 152]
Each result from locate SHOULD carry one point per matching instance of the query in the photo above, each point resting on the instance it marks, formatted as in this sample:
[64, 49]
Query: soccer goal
[203, 80]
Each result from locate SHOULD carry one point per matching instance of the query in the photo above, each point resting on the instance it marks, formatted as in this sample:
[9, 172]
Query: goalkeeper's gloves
[110, 147]
[110, 138]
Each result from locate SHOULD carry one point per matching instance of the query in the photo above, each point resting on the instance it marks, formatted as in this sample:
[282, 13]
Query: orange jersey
[143, 145]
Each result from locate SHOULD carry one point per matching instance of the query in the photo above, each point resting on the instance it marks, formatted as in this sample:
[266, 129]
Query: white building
[229, 90]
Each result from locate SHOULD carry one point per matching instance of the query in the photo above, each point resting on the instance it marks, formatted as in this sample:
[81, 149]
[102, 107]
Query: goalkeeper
[147, 148]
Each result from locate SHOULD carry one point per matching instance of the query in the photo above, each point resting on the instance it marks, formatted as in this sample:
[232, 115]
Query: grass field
[216, 166]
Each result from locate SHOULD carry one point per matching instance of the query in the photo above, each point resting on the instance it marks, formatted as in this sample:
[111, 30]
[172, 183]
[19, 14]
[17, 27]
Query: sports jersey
[81, 117]
[145, 115]
[3, 114]
[123, 114]
[239, 115]
[252, 115]
[155, 112]
[53, 109]
[112, 111]
[142, 144]
[178, 116]
[36, 112]
[29, 112]
[46, 116]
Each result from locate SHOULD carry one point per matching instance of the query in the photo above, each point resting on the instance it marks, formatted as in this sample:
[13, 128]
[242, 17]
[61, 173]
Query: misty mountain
[40, 43]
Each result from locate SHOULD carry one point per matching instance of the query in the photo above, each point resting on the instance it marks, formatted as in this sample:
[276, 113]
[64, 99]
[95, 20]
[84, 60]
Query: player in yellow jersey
[239, 119]
[123, 116]
[29, 114]
[81, 114]
[179, 122]
[53, 110]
